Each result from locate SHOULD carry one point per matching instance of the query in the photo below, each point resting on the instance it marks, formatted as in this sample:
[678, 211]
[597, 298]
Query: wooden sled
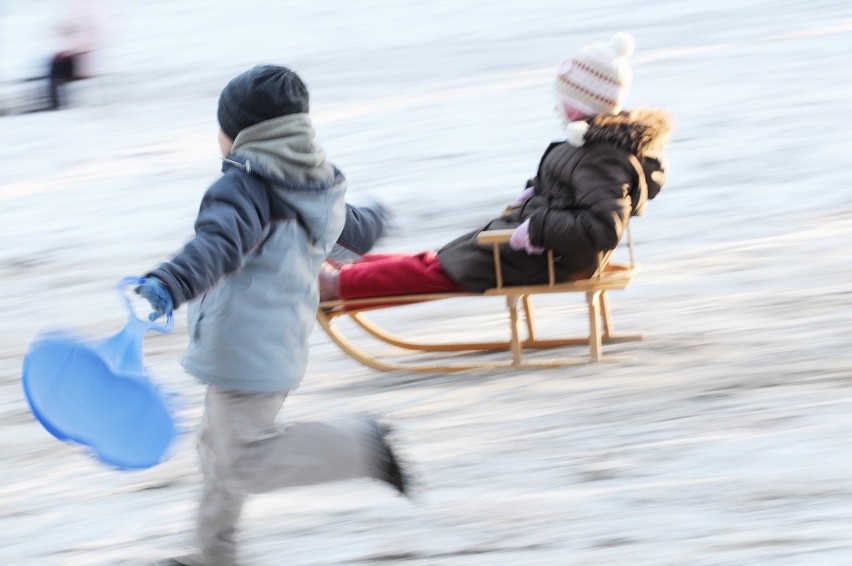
[608, 277]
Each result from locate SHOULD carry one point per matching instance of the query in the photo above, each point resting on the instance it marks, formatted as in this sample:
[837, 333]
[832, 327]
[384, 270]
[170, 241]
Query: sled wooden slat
[608, 277]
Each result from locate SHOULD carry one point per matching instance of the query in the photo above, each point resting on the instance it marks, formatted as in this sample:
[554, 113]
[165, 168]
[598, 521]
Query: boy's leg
[220, 507]
[243, 450]
[216, 526]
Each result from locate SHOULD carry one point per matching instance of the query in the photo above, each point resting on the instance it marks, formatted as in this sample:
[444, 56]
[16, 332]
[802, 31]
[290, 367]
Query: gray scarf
[284, 148]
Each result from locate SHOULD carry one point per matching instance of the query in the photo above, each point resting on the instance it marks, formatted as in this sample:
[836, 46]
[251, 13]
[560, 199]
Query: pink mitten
[520, 240]
[528, 192]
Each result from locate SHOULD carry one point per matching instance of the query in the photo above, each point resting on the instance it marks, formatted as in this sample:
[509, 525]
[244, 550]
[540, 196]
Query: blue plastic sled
[96, 392]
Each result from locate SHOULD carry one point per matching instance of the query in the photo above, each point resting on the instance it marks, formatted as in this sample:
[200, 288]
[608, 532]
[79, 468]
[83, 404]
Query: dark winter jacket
[585, 191]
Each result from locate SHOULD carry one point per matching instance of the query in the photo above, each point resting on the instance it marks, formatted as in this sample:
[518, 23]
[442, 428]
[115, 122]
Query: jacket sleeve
[655, 174]
[230, 224]
[596, 217]
[363, 228]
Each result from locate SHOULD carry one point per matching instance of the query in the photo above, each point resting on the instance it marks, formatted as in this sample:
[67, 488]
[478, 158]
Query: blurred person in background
[586, 189]
[261, 235]
[80, 34]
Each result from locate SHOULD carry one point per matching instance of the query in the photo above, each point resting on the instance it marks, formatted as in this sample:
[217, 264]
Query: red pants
[385, 275]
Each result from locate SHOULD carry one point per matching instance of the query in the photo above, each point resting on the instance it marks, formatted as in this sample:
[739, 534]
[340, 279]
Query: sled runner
[608, 277]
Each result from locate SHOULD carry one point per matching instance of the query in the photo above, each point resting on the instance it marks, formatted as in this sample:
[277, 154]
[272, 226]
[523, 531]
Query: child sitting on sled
[586, 189]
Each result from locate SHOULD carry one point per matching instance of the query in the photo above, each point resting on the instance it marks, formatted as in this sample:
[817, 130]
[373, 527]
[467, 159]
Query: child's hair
[259, 94]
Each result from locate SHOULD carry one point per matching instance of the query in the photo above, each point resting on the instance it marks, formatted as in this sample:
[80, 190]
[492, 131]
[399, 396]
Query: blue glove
[156, 293]
[520, 240]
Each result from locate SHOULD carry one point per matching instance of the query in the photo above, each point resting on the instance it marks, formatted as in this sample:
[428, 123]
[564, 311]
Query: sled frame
[521, 319]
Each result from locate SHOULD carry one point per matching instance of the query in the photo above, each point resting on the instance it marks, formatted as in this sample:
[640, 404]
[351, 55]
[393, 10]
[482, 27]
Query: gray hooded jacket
[262, 232]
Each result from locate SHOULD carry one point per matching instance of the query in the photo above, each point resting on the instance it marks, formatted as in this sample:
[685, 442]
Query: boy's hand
[156, 293]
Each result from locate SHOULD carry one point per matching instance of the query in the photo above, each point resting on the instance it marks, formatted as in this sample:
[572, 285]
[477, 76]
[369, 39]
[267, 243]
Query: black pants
[63, 69]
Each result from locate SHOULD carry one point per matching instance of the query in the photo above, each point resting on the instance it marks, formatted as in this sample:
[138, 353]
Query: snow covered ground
[724, 442]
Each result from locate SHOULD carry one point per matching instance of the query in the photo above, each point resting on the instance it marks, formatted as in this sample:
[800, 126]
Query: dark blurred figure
[79, 33]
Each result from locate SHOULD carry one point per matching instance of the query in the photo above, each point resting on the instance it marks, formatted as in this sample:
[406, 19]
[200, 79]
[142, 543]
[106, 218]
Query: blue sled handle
[147, 324]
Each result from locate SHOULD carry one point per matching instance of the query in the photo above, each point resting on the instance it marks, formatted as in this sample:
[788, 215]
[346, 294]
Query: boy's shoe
[393, 470]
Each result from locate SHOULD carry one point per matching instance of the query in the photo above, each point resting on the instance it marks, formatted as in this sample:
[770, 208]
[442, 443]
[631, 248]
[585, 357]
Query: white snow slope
[726, 439]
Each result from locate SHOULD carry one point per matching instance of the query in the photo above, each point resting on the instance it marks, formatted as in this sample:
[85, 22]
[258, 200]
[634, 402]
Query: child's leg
[384, 275]
[243, 450]
[221, 505]
[382, 257]
[216, 524]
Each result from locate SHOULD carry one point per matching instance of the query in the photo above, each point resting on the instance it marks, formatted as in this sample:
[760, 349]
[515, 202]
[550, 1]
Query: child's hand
[156, 293]
[520, 240]
[526, 194]
[512, 208]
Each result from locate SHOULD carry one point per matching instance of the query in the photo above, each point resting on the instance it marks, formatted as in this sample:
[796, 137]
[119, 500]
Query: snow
[724, 440]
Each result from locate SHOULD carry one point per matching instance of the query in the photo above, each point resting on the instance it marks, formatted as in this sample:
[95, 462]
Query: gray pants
[242, 450]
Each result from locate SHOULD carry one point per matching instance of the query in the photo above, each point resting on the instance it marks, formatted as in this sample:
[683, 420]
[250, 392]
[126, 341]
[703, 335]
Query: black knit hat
[260, 94]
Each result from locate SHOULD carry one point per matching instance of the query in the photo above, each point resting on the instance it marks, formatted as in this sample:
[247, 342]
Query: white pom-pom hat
[596, 80]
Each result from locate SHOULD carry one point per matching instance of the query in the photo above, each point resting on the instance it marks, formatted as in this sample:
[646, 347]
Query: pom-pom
[576, 132]
[622, 44]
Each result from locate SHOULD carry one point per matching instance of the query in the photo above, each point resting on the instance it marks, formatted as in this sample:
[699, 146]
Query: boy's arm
[364, 226]
[230, 224]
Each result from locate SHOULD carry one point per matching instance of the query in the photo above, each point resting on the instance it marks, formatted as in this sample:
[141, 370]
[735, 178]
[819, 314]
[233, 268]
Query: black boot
[392, 471]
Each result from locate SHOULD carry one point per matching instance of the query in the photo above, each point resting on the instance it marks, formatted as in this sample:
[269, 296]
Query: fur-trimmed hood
[644, 132]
